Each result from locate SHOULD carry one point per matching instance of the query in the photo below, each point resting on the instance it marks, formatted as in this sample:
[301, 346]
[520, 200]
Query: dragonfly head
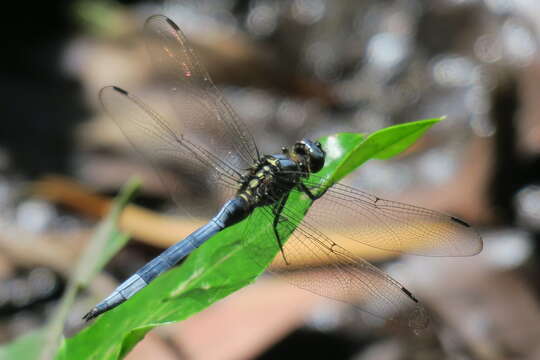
[310, 153]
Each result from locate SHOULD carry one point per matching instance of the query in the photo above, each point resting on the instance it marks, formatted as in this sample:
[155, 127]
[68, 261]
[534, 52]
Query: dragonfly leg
[308, 192]
[277, 210]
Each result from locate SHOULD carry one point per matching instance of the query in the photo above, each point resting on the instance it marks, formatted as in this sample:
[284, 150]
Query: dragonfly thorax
[275, 175]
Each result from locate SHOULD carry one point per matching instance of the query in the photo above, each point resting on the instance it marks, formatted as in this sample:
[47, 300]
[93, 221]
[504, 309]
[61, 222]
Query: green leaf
[389, 142]
[382, 144]
[225, 263]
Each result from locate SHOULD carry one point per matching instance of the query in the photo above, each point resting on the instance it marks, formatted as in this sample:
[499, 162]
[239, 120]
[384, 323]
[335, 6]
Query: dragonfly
[207, 137]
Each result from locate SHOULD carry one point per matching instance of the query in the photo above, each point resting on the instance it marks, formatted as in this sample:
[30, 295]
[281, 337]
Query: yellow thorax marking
[272, 161]
[253, 183]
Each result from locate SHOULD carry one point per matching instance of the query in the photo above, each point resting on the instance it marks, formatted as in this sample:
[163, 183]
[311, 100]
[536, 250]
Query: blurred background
[290, 69]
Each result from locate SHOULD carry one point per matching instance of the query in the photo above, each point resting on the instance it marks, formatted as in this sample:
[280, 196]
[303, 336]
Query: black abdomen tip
[174, 26]
[461, 222]
[91, 314]
[122, 91]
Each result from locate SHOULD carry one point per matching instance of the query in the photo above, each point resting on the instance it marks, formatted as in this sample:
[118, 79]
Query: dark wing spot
[173, 25]
[122, 91]
[409, 294]
[461, 222]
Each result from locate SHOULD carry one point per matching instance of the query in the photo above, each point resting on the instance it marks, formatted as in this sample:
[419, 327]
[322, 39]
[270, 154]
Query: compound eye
[300, 150]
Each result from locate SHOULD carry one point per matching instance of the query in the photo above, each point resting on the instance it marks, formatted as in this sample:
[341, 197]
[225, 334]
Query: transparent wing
[207, 119]
[315, 263]
[390, 225]
[158, 138]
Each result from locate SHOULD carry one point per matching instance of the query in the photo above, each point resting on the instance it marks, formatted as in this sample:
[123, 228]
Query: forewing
[160, 140]
[208, 119]
[390, 225]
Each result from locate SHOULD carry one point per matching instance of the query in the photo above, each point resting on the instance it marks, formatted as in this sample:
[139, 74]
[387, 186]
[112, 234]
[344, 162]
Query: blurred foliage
[105, 243]
[100, 18]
